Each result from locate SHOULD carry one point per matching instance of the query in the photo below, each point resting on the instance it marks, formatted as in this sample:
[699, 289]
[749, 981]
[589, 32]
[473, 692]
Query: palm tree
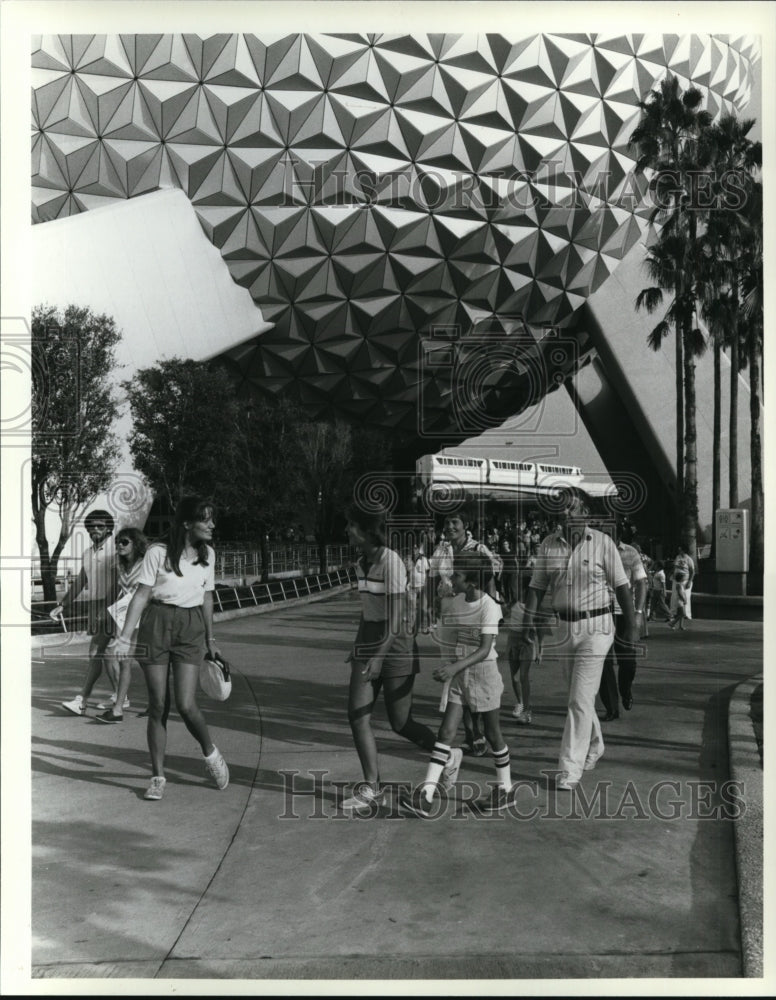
[716, 310]
[667, 140]
[752, 309]
[733, 159]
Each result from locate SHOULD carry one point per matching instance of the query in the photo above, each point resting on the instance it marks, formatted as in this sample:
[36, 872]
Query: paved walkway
[209, 884]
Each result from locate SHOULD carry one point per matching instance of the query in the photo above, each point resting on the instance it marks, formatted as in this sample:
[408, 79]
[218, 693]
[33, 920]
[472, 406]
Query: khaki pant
[581, 648]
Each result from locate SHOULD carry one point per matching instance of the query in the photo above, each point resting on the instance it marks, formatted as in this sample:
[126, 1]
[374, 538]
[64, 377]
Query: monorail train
[500, 475]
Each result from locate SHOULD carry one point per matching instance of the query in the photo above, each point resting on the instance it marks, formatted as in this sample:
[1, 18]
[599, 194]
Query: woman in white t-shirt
[131, 547]
[174, 605]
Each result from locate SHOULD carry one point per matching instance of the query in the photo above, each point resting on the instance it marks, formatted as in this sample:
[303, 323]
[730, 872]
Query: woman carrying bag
[174, 605]
[131, 546]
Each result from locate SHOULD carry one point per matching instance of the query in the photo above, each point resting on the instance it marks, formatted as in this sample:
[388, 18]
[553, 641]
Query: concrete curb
[746, 768]
[71, 639]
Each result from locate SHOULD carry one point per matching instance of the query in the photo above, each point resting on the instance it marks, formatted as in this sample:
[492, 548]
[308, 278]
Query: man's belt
[576, 616]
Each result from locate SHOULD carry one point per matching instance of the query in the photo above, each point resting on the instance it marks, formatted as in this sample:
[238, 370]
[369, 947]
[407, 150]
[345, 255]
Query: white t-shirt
[419, 570]
[468, 621]
[186, 591]
[634, 570]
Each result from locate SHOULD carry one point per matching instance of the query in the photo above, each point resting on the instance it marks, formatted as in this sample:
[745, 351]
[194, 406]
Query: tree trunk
[48, 566]
[322, 560]
[264, 548]
[757, 536]
[716, 471]
[733, 435]
[690, 506]
[679, 362]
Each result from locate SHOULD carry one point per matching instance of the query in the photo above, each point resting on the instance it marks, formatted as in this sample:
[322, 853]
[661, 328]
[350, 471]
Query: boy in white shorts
[474, 681]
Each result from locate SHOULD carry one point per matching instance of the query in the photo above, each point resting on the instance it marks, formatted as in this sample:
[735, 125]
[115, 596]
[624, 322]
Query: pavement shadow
[91, 762]
[95, 921]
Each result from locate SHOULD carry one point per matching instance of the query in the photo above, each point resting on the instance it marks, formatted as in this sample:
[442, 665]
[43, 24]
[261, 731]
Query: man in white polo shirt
[578, 572]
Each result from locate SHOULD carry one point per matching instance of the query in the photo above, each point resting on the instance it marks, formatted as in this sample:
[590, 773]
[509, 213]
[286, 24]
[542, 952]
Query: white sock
[503, 770]
[436, 764]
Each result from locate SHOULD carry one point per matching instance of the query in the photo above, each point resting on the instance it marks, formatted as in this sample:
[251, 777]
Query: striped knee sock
[503, 772]
[437, 761]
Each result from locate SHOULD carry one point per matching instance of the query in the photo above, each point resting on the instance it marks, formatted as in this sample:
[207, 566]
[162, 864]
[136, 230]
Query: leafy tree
[667, 140]
[266, 491]
[74, 450]
[184, 438]
[333, 457]
[326, 451]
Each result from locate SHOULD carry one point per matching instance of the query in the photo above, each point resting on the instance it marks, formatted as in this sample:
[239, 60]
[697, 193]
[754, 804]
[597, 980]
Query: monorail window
[515, 466]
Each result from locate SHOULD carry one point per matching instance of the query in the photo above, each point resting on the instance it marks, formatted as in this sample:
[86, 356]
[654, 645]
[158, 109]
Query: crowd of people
[579, 595]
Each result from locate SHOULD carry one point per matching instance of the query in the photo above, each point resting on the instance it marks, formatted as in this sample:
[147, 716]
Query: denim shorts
[479, 688]
[169, 634]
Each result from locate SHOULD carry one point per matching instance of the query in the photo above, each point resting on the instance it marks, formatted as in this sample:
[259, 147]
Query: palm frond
[649, 299]
[656, 337]
[697, 341]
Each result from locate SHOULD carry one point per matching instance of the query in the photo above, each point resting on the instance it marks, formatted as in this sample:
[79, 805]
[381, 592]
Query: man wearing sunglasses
[98, 576]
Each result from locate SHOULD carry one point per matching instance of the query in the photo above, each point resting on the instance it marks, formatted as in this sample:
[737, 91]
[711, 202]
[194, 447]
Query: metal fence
[277, 591]
[225, 598]
[287, 560]
[235, 563]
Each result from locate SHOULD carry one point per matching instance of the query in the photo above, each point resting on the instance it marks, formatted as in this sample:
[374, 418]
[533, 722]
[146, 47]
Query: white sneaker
[215, 765]
[109, 704]
[450, 771]
[525, 718]
[517, 711]
[156, 789]
[76, 706]
[363, 799]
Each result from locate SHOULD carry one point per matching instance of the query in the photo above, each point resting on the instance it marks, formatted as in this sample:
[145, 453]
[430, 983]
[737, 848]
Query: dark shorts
[402, 658]
[169, 634]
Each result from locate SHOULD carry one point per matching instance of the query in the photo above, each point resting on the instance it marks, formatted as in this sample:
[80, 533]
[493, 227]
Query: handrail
[236, 562]
[226, 598]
